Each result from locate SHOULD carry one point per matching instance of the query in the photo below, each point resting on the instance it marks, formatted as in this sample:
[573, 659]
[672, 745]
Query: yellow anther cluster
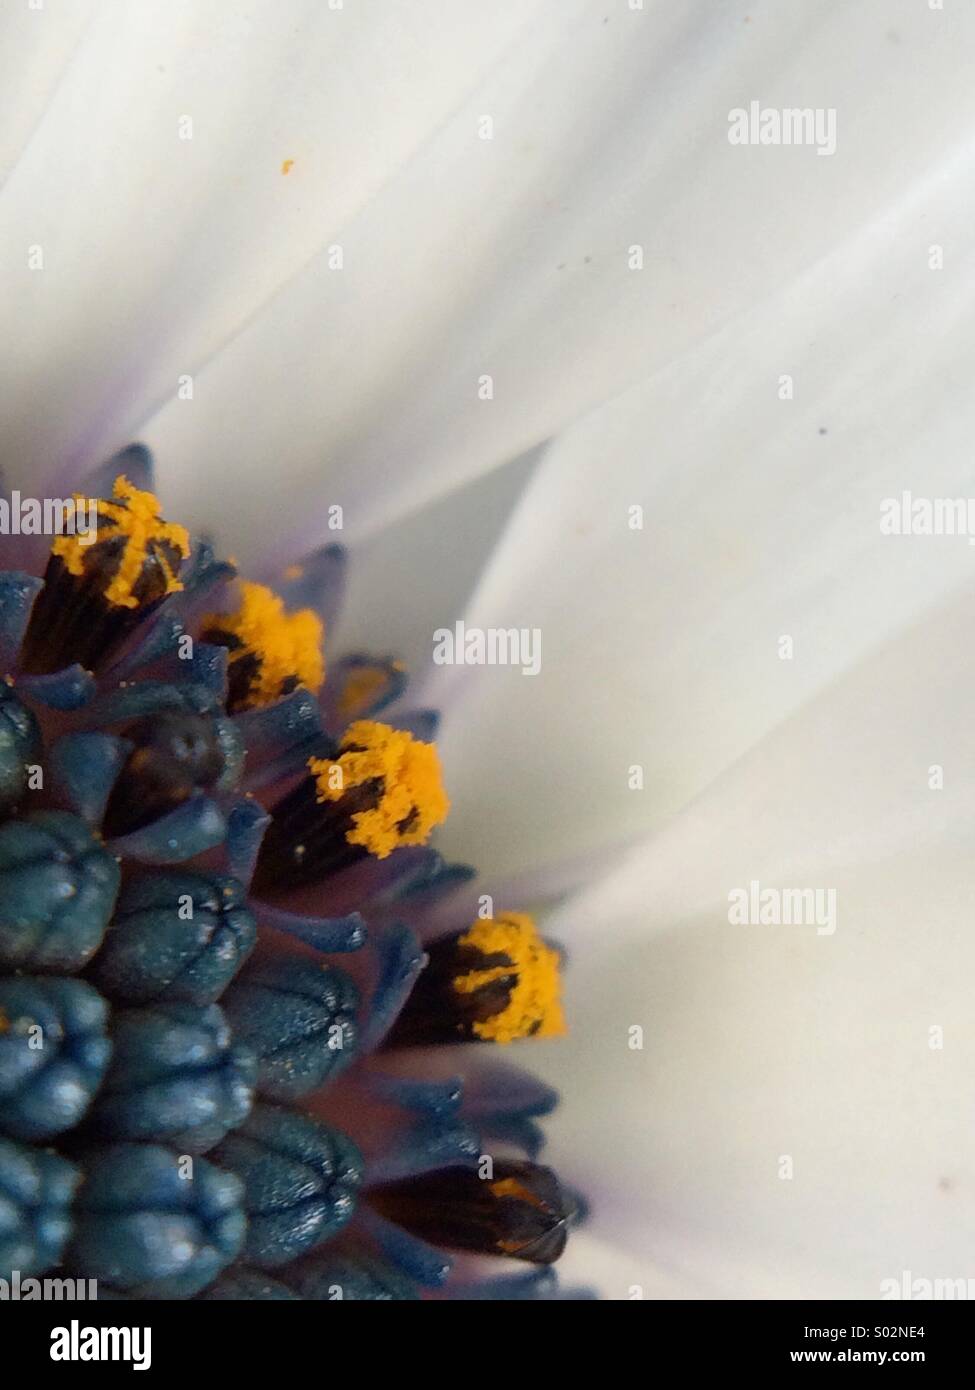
[410, 799]
[287, 646]
[135, 515]
[533, 1008]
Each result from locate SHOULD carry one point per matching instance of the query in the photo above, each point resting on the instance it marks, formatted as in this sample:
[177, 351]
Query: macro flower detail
[495, 982]
[177, 1074]
[175, 936]
[521, 1212]
[299, 1018]
[58, 886]
[20, 741]
[381, 791]
[35, 1212]
[183, 748]
[300, 1182]
[360, 686]
[146, 1225]
[54, 1049]
[271, 652]
[219, 949]
[97, 590]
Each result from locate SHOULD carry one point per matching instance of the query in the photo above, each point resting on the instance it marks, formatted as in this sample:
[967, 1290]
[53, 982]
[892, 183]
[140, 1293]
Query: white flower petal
[36, 46]
[766, 1042]
[157, 248]
[662, 647]
[462, 256]
[407, 581]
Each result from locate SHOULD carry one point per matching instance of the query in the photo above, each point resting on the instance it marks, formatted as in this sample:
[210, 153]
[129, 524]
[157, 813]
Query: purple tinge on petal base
[515, 1132]
[498, 1088]
[367, 886]
[502, 1102]
[384, 881]
[196, 826]
[439, 882]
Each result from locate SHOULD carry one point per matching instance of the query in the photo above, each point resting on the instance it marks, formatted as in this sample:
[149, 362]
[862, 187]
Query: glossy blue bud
[354, 1278]
[20, 745]
[175, 937]
[58, 886]
[299, 1017]
[176, 1076]
[36, 1188]
[300, 1181]
[53, 1053]
[151, 1223]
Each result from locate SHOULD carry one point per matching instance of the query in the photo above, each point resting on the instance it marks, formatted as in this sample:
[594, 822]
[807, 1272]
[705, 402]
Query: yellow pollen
[288, 646]
[134, 515]
[533, 1008]
[362, 686]
[410, 797]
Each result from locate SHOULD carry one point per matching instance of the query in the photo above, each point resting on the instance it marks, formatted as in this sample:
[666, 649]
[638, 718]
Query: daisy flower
[534, 310]
[176, 803]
